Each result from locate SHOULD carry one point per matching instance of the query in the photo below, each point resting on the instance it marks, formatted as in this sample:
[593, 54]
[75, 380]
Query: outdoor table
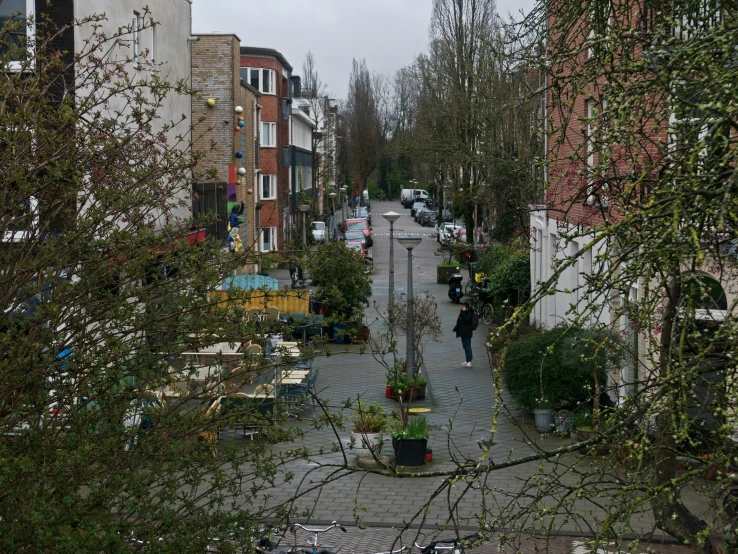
[292, 380]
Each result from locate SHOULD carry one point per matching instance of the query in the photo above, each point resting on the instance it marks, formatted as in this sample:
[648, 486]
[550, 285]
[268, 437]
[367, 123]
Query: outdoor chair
[272, 313]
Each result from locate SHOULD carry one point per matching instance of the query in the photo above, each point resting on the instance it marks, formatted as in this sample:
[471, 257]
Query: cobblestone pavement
[462, 399]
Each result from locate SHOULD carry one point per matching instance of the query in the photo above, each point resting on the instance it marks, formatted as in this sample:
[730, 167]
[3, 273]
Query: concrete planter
[366, 443]
[443, 273]
[544, 420]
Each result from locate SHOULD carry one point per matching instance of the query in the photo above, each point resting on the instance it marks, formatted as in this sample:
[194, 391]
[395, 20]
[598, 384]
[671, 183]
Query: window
[268, 239]
[16, 11]
[268, 135]
[268, 187]
[136, 26]
[260, 79]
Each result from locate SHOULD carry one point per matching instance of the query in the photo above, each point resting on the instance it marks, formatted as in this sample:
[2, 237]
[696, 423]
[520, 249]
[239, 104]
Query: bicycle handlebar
[402, 549]
[309, 530]
[453, 542]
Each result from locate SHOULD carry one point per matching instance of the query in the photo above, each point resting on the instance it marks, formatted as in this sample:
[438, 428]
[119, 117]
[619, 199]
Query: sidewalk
[462, 400]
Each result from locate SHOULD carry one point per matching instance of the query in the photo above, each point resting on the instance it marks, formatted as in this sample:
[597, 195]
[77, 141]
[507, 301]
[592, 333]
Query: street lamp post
[391, 217]
[332, 196]
[304, 208]
[343, 204]
[410, 243]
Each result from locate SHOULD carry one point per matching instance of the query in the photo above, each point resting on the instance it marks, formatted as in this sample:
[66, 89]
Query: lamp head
[331, 194]
[303, 208]
[391, 216]
[342, 189]
[409, 242]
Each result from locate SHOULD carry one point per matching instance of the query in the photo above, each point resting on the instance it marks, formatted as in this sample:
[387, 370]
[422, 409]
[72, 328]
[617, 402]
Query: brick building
[227, 137]
[269, 72]
[592, 162]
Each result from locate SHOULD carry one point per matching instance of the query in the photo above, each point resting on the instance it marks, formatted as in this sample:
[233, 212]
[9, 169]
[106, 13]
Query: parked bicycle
[313, 539]
[481, 299]
[452, 545]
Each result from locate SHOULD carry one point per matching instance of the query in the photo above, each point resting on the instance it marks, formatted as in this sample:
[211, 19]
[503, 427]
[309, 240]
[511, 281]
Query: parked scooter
[298, 275]
[455, 290]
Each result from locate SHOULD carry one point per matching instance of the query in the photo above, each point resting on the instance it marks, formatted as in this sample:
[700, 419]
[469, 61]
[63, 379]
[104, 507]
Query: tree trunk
[670, 513]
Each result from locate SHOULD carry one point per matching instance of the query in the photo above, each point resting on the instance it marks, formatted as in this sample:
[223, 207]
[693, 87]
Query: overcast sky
[389, 34]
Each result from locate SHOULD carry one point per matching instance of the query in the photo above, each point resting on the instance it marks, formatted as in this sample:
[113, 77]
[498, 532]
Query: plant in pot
[544, 415]
[562, 421]
[427, 326]
[368, 425]
[409, 438]
[583, 427]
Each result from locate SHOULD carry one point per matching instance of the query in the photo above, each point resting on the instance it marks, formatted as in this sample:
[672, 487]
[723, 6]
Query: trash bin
[339, 333]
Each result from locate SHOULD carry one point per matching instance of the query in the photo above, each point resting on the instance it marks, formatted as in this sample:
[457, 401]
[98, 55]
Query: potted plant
[410, 439]
[583, 428]
[561, 421]
[428, 454]
[444, 270]
[544, 416]
[404, 389]
[367, 435]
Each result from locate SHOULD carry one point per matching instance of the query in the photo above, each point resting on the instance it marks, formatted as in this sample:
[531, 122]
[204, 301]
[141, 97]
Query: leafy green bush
[508, 269]
[342, 284]
[559, 365]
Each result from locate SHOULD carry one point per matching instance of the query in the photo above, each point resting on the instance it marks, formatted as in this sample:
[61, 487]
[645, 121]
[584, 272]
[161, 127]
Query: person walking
[464, 330]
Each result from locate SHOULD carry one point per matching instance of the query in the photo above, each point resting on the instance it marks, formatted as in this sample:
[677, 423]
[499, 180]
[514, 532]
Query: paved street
[462, 400]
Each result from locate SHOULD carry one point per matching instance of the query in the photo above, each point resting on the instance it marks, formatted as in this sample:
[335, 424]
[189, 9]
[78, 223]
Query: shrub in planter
[564, 364]
[410, 441]
[367, 436]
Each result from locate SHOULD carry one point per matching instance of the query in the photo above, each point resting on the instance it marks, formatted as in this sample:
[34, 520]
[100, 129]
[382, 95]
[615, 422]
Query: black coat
[464, 324]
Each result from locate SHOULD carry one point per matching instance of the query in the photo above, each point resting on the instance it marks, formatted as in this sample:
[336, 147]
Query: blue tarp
[250, 282]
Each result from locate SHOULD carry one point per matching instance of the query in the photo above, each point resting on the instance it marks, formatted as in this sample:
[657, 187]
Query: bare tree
[362, 123]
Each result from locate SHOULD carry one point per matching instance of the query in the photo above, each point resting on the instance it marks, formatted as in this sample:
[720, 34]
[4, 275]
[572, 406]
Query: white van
[408, 196]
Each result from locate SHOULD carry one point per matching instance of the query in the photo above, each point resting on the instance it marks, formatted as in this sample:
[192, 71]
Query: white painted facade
[302, 127]
[169, 53]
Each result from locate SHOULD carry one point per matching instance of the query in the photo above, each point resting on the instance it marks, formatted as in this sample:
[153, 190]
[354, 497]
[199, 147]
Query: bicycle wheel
[488, 313]
[469, 288]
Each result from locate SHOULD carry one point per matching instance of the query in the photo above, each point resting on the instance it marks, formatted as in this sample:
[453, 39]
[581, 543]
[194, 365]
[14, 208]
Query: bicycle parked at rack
[312, 541]
[452, 545]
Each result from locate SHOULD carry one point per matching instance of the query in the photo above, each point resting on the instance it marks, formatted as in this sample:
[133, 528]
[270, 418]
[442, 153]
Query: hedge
[568, 356]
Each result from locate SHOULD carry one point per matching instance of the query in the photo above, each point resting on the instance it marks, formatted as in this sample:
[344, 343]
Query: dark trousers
[466, 343]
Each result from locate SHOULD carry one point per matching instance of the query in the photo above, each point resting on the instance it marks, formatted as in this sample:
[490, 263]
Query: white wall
[171, 49]
[302, 130]
[546, 246]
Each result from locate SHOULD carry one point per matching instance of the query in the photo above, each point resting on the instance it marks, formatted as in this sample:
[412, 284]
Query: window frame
[30, 35]
[271, 79]
[272, 134]
[272, 186]
[272, 231]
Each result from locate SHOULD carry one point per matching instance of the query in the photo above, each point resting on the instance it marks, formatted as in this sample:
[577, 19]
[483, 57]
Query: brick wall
[216, 134]
[271, 159]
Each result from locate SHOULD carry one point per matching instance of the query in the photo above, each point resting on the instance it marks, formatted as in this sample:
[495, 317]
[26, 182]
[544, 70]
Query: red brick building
[269, 72]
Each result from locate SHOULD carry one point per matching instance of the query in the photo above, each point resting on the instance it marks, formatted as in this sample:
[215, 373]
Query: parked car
[359, 247]
[363, 213]
[478, 241]
[447, 233]
[360, 225]
[408, 196]
[416, 206]
[429, 218]
[419, 213]
[356, 236]
[319, 233]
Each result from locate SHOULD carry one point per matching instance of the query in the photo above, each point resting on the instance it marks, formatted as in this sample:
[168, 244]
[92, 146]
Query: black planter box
[409, 452]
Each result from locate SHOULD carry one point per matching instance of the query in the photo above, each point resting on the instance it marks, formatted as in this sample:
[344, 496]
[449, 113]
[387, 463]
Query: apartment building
[160, 48]
[601, 157]
[225, 120]
[269, 72]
